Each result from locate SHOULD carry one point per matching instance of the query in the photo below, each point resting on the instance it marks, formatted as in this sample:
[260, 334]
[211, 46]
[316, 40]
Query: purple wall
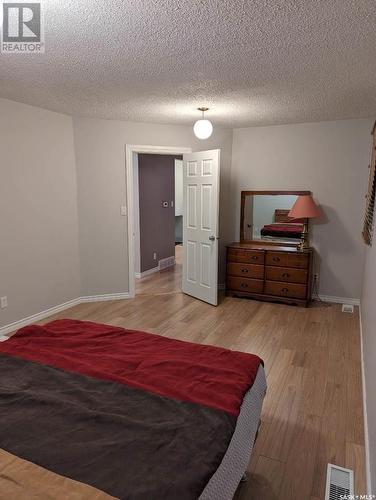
[157, 224]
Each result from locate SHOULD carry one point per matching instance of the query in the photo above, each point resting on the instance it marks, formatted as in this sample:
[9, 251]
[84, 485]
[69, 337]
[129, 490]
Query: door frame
[130, 150]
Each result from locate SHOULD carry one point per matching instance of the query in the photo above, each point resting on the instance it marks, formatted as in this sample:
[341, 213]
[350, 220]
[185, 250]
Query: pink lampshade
[304, 208]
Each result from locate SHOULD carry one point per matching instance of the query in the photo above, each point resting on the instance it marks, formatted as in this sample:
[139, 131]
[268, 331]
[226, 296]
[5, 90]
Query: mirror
[264, 217]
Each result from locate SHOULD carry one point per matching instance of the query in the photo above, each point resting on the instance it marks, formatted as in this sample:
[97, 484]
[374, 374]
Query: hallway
[163, 282]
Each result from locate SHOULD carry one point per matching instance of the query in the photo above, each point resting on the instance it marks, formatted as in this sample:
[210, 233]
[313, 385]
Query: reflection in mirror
[266, 219]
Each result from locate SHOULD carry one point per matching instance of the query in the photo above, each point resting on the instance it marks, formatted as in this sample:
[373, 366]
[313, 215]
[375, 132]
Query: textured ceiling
[253, 62]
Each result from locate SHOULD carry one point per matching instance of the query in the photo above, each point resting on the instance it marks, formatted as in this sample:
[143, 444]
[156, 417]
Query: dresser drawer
[287, 274]
[246, 270]
[245, 284]
[285, 259]
[246, 256]
[292, 290]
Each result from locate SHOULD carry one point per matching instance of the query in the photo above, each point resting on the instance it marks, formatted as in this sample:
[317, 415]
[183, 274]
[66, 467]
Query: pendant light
[203, 128]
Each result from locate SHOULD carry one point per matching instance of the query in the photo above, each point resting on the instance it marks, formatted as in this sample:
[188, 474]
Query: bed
[283, 227]
[93, 411]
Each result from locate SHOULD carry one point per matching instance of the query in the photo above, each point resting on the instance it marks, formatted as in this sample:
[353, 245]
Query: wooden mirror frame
[242, 215]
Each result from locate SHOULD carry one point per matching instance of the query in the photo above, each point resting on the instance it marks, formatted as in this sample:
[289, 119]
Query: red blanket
[284, 228]
[207, 375]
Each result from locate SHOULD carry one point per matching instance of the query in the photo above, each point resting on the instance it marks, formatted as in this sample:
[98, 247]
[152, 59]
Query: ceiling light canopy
[203, 128]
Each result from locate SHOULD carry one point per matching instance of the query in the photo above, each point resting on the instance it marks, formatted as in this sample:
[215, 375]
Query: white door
[200, 230]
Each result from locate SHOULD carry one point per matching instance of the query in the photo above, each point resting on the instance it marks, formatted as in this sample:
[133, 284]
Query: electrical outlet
[316, 276]
[155, 255]
[3, 302]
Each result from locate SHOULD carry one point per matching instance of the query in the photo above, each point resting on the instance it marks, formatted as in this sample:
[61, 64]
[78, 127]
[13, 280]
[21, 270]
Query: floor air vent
[347, 308]
[339, 483]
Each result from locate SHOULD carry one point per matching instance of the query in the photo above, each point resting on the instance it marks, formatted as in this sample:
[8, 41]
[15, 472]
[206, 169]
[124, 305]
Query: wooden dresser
[268, 272]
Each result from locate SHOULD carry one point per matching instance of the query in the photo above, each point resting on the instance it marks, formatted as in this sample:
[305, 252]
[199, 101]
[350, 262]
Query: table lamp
[304, 208]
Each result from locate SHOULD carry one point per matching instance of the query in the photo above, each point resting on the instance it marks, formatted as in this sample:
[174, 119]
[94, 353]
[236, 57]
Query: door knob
[212, 238]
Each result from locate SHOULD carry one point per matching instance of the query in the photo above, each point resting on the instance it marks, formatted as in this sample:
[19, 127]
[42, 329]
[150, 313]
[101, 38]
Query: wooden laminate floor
[312, 412]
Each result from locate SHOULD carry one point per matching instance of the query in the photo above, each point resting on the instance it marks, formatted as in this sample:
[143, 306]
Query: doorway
[158, 187]
[201, 175]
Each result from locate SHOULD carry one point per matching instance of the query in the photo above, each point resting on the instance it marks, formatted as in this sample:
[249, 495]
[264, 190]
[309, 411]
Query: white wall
[100, 160]
[328, 158]
[39, 258]
[368, 317]
[368, 305]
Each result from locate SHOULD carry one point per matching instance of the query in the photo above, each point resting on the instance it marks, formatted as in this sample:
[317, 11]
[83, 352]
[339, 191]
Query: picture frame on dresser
[271, 268]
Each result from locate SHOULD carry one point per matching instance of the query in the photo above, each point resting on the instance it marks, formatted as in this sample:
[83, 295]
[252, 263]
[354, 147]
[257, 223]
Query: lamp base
[303, 246]
[304, 242]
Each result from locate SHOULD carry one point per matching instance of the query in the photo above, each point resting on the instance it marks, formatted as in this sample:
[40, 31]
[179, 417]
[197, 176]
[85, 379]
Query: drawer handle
[285, 290]
[276, 259]
[254, 257]
[244, 270]
[285, 275]
[244, 285]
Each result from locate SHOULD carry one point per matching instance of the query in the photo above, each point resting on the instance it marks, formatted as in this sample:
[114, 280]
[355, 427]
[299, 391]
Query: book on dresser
[269, 272]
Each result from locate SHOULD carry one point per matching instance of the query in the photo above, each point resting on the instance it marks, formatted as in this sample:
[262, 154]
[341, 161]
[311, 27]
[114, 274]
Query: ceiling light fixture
[203, 128]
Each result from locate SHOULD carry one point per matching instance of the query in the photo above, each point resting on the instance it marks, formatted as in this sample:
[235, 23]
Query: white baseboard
[365, 416]
[146, 273]
[107, 296]
[155, 269]
[339, 300]
[5, 330]
[324, 298]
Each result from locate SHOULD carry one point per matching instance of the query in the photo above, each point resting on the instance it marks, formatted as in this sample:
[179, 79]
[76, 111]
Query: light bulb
[203, 129]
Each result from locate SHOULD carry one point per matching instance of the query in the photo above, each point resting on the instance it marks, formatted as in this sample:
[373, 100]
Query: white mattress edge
[224, 482]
